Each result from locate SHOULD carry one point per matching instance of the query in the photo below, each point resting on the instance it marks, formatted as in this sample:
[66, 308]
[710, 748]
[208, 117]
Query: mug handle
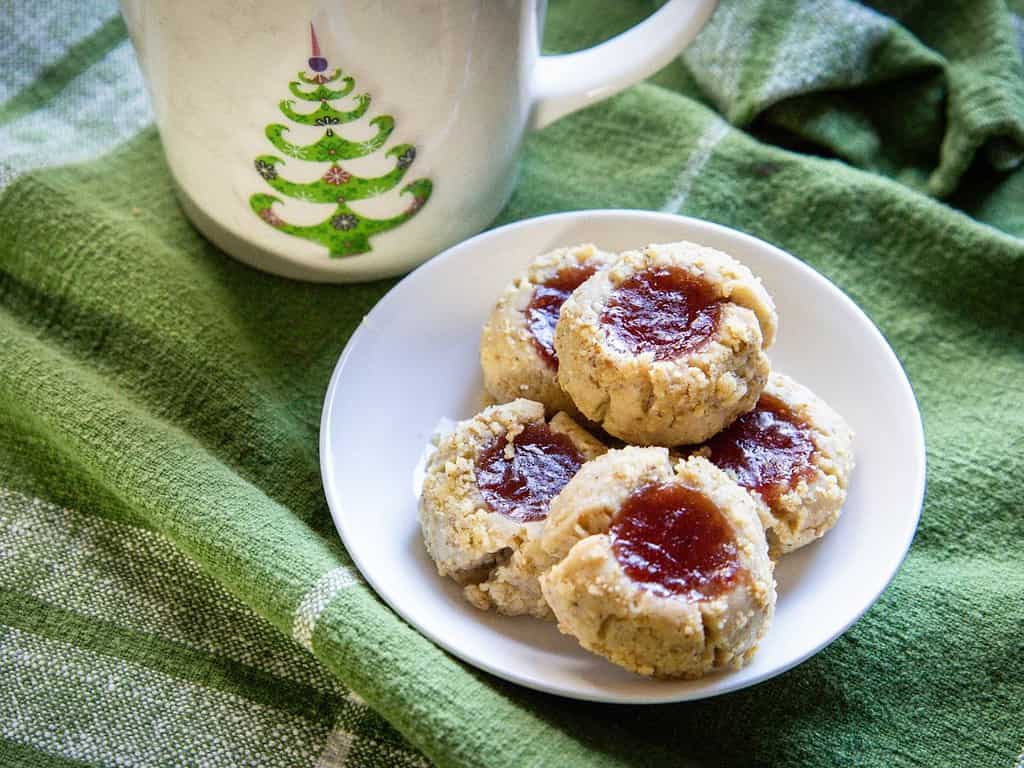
[571, 81]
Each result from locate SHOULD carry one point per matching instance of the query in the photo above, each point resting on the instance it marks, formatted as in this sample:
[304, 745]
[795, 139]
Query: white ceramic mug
[341, 140]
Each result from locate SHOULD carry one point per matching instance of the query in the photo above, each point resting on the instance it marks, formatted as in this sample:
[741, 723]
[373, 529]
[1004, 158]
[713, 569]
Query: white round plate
[414, 361]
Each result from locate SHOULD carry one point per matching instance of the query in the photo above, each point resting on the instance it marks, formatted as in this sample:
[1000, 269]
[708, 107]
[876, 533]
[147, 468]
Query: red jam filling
[521, 487]
[545, 305]
[665, 310]
[673, 540]
[767, 450]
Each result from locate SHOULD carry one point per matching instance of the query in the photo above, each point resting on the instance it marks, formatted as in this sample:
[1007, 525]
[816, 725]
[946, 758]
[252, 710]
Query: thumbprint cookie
[794, 454]
[517, 350]
[663, 571]
[485, 497]
[667, 345]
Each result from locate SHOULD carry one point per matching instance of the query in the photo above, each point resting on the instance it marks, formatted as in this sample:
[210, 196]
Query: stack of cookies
[643, 466]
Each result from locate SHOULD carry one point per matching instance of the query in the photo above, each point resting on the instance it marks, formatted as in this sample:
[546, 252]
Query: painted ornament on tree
[344, 232]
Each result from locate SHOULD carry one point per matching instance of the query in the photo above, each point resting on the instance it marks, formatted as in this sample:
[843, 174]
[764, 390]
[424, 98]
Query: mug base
[260, 258]
[274, 263]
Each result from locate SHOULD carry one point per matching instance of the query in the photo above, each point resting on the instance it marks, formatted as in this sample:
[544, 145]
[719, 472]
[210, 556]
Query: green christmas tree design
[344, 232]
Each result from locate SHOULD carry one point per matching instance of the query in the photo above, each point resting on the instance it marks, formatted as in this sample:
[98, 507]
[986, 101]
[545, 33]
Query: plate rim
[334, 501]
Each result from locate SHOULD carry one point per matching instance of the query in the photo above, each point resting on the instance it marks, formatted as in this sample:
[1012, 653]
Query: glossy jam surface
[545, 305]
[767, 450]
[521, 486]
[667, 311]
[674, 541]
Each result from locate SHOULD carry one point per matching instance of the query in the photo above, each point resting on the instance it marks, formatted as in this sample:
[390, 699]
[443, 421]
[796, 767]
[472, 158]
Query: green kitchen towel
[172, 591]
[898, 88]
